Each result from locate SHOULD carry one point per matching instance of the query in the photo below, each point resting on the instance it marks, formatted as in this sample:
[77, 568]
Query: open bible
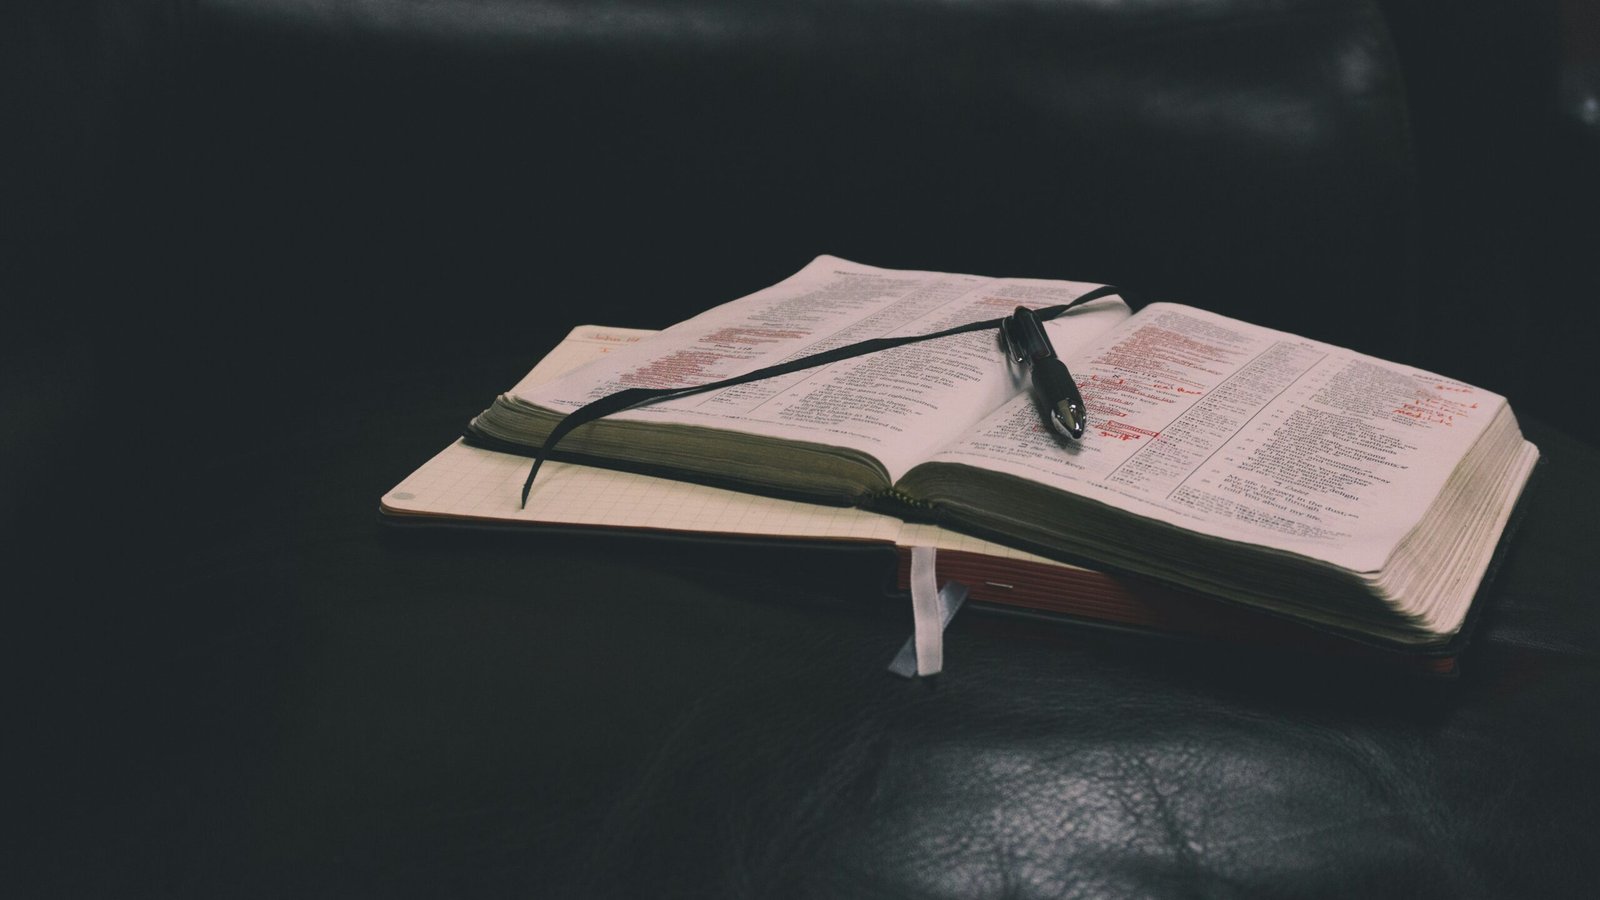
[1222, 460]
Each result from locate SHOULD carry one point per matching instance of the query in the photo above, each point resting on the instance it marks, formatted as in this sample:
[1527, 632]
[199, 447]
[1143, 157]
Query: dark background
[262, 258]
[198, 186]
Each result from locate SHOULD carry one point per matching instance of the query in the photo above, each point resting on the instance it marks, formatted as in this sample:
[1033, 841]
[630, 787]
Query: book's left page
[895, 407]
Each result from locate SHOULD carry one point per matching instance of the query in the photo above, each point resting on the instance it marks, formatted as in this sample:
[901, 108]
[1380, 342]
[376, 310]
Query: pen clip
[1024, 336]
[1058, 396]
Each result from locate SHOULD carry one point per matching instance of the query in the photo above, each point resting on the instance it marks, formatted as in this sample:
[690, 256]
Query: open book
[1222, 459]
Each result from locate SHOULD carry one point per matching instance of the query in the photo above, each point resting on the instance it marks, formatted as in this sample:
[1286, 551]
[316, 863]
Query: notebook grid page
[482, 484]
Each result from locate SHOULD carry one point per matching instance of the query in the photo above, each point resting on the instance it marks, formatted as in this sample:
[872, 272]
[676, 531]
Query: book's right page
[1249, 434]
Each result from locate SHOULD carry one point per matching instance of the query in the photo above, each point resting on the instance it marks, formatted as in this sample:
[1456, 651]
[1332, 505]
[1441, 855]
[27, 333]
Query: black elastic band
[631, 398]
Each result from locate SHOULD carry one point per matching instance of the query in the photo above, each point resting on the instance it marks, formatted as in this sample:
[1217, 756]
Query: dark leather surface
[270, 697]
[266, 256]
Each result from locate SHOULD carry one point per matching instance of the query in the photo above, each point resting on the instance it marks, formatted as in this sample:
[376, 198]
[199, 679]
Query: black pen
[1060, 402]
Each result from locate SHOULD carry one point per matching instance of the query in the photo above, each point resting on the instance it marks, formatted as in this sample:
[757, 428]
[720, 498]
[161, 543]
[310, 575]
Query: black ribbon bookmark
[630, 398]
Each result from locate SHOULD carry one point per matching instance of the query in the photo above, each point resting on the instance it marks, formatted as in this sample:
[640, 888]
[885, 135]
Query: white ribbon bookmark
[923, 652]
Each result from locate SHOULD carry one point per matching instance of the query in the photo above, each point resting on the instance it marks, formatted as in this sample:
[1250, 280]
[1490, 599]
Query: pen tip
[1068, 419]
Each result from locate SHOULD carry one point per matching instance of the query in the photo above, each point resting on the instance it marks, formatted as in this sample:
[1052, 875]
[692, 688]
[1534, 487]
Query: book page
[583, 344]
[896, 405]
[1246, 433]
